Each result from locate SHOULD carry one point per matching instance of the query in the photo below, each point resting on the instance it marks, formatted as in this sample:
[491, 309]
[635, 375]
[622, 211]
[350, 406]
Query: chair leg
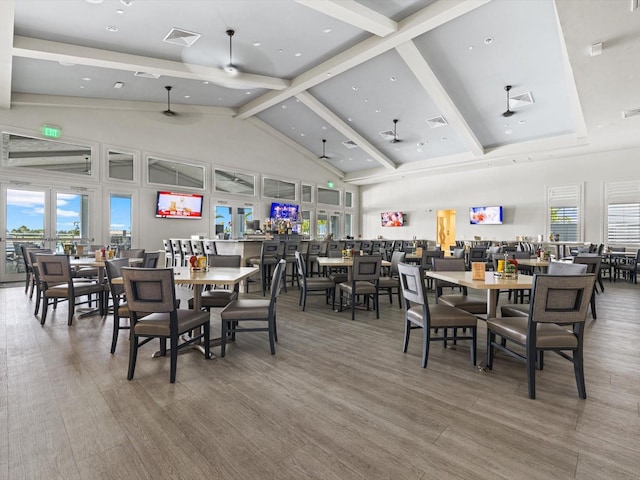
[407, 333]
[593, 306]
[116, 329]
[133, 354]
[491, 337]
[272, 344]
[45, 307]
[531, 373]
[474, 342]
[579, 371]
[207, 340]
[223, 338]
[173, 354]
[71, 306]
[426, 340]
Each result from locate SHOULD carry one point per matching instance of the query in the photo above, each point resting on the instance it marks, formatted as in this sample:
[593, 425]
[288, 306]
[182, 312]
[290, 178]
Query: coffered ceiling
[393, 87]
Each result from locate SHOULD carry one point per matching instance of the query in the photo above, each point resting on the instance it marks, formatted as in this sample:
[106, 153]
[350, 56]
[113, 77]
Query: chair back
[228, 261]
[113, 269]
[591, 260]
[149, 290]
[150, 259]
[458, 252]
[427, 255]
[185, 247]
[367, 247]
[270, 248]
[366, 268]
[302, 269]
[54, 268]
[210, 247]
[167, 247]
[291, 247]
[132, 253]
[396, 258]
[412, 285]
[448, 264]
[564, 268]
[350, 244]
[521, 255]
[197, 247]
[333, 247]
[30, 254]
[276, 284]
[560, 299]
[477, 254]
[314, 248]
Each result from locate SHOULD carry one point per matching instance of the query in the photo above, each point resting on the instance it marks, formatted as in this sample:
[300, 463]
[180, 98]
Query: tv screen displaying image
[485, 215]
[392, 219]
[284, 210]
[178, 205]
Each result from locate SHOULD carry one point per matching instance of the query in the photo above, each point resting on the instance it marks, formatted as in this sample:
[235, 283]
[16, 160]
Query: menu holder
[477, 270]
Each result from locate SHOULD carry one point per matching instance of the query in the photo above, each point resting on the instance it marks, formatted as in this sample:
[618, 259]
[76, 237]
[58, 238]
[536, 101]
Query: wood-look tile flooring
[339, 400]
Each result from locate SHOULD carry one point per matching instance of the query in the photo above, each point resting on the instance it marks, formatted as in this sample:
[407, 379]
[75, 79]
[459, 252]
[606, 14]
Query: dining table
[491, 283]
[338, 262]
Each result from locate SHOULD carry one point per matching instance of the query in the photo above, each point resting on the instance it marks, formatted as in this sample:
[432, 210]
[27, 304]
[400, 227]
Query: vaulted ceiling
[377, 88]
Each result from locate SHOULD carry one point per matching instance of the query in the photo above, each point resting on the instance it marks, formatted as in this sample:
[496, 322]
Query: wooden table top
[342, 262]
[490, 281]
[214, 276]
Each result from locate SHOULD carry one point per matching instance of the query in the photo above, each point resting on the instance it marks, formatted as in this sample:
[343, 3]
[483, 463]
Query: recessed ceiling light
[369, 159]
[187, 96]
[66, 64]
[488, 41]
[86, 79]
[293, 128]
[95, 2]
[522, 122]
[350, 119]
[297, 54]
[279, 50]
[126, 3]
[378, 110]
[508, 132]
[329, 74]
[393, 78]
[219, 99]
[397, 149]
[302, 135]
[206, 82]
[112, 28]
[355, 88]
[419, 150]
[366, 100]
[324, 127]
[326, 30]
[120, 11]
[118, 85]
[470, 47]
[284, 107]
[257, 44]
[248, 93]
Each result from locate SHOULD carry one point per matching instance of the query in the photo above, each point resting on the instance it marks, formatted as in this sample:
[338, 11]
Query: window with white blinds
[564, 212]
[623, 212]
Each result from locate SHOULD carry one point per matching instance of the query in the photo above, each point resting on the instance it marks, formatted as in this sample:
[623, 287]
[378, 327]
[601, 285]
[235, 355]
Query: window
[564, 212]
[168, 172]
[307, 193]
[623, 226]
[280, 189]
[120, 220]
[236, 183]
[328, 197]
[120, 164]
[305, 225]
[348, 224]
[348, 199]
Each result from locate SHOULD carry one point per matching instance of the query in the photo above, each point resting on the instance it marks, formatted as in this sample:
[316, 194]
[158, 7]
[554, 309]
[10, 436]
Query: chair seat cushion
[516, 310]
[157, 324]
[338, 277]
[79, 288]
[464, 302]
[389, 282]
[216, 298]
[362, 288]
[319, 283]
[548, 335]
[442, 316]
[246, 309]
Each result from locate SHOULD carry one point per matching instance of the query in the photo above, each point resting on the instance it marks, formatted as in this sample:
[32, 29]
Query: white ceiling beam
[427, 19]
[421, 69]
[7, 10]
[79, 55]
[354, 13]
[332, 119]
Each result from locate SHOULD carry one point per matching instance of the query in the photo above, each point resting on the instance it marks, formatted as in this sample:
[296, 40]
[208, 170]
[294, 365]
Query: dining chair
[150, 259]
[313, 285]
[364, 276]
[113, 269]
[131, 253]
[151, 298]
[270, 254]
[314, 250]
[628, 268]
[253, 310]
[390, 283]
[221, 296]
[559, 305]
[168, 254]
[36, 284]
[419, 314]
[427, 264]
[178, 258]
[58, 283]
[459, 300]
[592, 261]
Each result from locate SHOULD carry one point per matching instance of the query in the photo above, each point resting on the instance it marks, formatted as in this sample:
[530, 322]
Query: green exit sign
[50, 131]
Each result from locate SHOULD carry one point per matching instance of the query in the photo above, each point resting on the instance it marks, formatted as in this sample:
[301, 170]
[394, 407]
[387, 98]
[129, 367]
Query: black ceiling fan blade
[168, 112]
[324, 154]
[508, 112]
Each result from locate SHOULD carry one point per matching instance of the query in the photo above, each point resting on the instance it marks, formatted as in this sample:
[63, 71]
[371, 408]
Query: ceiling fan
[168, 112]
[395, 138]
[508, 112]
[230, 68]
[324, 144]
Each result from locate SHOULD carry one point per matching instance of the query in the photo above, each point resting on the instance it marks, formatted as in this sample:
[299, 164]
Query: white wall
[520, 188]
[213, 137]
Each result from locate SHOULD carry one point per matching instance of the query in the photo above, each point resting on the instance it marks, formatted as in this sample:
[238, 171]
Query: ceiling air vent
[521, 100]
[180, 37]
[147, 75]
[388, 135]
[437, 122]
[350, 144]
[630, 113]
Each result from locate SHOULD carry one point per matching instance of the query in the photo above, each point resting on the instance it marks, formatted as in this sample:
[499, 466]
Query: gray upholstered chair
[253, 310]
[389, 283]
[131, 253]
[559, 305]
[314, 250]
[113, 269]
[628, 268]
[313, 286]
[150, 259]
[418, 314]
[58, 283]
[592, 261]
[151, 297]
[220, 297]
[364, 275]
[270, 253]
[458, 300]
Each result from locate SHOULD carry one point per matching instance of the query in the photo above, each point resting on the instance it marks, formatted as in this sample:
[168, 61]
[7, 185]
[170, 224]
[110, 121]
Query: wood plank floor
[339, 400]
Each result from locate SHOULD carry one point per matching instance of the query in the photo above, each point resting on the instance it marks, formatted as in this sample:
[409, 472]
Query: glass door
[40, 217]
[231, 220]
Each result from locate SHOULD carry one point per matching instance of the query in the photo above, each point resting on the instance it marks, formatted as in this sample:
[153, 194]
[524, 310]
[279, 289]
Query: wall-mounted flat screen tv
[485, 215]
[178, 205]
[286, 211]
[392, 219]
